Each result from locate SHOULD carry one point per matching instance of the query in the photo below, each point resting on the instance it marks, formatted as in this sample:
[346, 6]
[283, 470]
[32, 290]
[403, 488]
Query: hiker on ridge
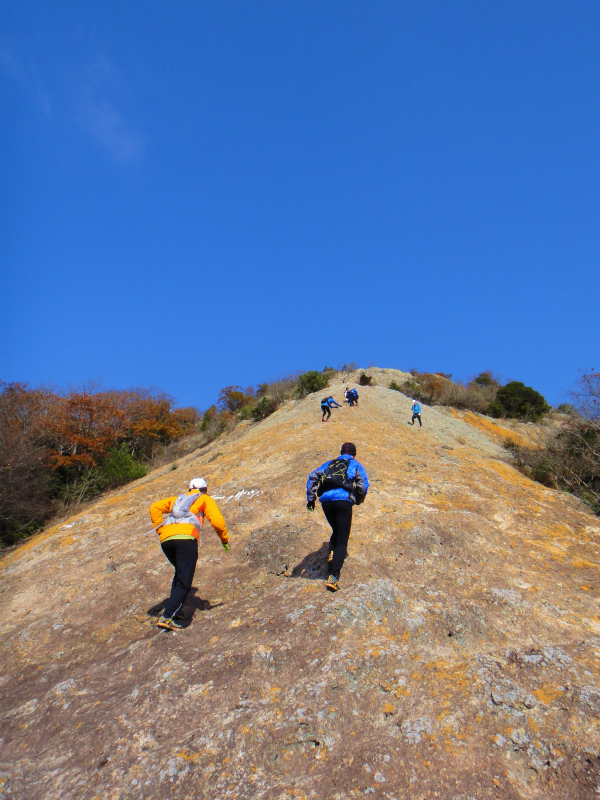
[339, 484]
[179, 535]
[327, 403]
[416, 413]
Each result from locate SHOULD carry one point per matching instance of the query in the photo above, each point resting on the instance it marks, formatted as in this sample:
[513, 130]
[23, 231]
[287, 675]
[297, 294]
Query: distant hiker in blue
[416, 413]
[327, 403]
[339, 484]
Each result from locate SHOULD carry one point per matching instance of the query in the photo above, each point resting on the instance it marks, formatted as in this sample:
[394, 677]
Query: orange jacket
[204, 505]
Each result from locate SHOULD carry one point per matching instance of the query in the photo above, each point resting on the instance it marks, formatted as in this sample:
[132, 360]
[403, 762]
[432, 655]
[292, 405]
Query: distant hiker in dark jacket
[178, 521]
[327, 403]
[339, 484]
[416, 413]
[352, 397]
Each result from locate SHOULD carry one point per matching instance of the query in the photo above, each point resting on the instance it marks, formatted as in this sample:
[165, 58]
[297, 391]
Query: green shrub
[120, 468]
[115, 470]
[245, 412]
[264, 407]
[208, 418]
[395, 386]
[411, 388]
[309, 382]
[365, 380]
[517, 401]
[215, 422]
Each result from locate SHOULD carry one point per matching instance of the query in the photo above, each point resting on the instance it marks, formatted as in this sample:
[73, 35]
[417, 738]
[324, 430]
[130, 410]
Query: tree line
[570, 457]
[57, 449]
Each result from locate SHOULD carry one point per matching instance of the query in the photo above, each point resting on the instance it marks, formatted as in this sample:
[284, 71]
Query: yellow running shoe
[332, 584]
[169, 624]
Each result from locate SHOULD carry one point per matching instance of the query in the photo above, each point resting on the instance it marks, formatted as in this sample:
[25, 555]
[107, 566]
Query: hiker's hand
[226, 546]
[311, 505]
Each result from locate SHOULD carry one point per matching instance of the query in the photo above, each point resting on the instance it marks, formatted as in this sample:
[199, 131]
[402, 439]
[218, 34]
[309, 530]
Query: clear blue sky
[198, 194]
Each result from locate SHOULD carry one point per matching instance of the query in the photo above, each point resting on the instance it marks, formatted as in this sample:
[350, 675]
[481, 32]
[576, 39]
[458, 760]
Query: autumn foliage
[59, 448]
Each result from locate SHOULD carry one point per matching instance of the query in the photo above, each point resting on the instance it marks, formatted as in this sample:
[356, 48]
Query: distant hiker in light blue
[327, 403]
[416, 413]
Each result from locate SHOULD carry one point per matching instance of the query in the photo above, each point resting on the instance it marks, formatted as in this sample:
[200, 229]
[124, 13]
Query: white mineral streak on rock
[248, 493]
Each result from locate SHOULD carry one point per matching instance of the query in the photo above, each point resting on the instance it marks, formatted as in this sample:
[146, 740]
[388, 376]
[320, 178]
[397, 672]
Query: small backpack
[181, 512]
[335, 476]
[325, 401]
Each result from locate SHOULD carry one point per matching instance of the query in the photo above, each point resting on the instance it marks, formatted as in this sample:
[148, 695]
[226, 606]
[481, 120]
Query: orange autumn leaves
[55, 447]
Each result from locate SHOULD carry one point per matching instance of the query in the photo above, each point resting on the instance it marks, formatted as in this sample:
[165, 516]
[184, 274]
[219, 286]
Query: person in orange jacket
[179, 533]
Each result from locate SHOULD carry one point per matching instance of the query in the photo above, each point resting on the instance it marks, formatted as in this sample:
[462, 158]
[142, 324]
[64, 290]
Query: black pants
[339, 515]
[326, 410]
[417, 416]
[183, 554]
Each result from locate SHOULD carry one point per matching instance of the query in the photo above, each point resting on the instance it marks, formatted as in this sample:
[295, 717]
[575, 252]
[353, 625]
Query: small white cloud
[98, 115]
[108, 127]
[91, 98]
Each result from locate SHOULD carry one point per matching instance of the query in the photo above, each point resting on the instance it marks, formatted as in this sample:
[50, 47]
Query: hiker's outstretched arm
[213, 515]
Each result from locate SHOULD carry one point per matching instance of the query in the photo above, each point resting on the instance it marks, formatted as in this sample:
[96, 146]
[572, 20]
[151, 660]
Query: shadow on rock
[192, 604]
[313, 566]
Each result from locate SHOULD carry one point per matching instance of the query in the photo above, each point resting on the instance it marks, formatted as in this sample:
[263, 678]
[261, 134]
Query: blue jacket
[416, 409]
[355, 470]
[330, 403]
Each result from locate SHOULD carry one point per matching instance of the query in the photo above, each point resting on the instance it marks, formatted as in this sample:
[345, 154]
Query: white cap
[197, 483]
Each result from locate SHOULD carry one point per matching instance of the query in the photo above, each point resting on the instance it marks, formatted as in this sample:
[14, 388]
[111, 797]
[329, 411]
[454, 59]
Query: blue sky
[203, 194]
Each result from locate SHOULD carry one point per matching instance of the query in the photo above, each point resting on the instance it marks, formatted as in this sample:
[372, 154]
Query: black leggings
[326, 410]
[339, 515]
[417, 416]
[183, 554]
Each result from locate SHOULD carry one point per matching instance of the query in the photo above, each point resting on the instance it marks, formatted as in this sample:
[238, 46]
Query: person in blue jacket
[416, 413]
[327, 403]
[342, 486]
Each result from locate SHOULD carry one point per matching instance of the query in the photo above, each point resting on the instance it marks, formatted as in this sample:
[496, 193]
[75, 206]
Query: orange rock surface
[460, 660]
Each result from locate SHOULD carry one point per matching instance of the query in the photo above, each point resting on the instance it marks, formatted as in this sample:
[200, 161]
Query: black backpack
[325, 401]
[335, 476]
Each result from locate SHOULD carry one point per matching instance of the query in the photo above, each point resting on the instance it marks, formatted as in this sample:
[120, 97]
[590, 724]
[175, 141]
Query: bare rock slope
[459, 661]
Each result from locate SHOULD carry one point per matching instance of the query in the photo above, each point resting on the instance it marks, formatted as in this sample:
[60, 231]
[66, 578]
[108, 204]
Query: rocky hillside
[461, 659]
